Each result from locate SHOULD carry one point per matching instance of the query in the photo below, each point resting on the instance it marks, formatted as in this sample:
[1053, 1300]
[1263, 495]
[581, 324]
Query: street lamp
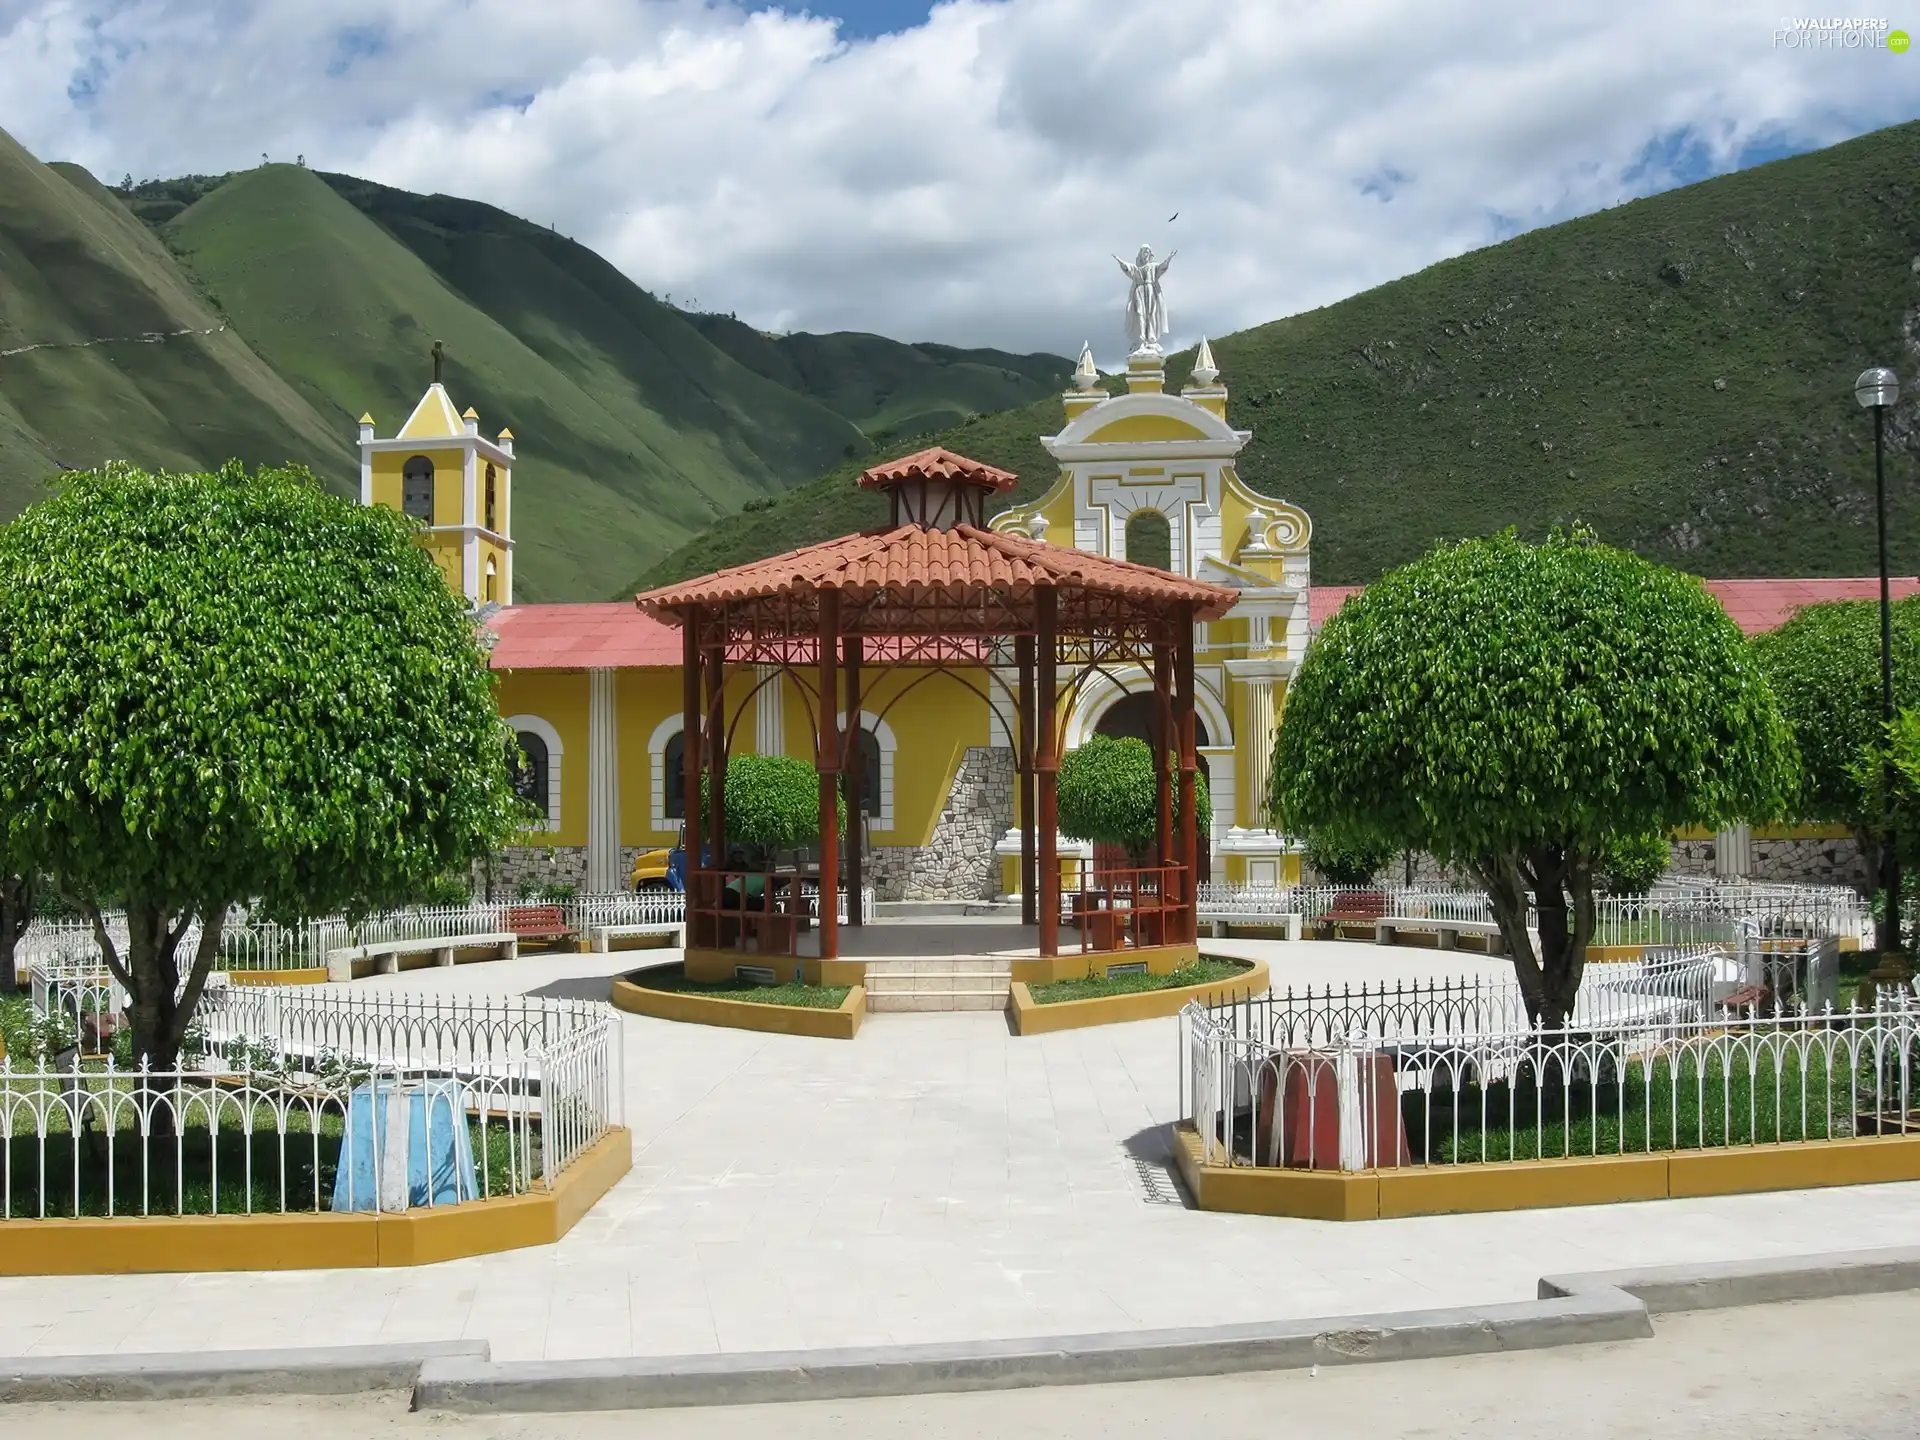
[1876, 390]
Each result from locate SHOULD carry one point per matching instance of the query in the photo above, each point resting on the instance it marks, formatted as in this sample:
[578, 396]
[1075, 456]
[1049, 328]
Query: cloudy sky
[961, 172]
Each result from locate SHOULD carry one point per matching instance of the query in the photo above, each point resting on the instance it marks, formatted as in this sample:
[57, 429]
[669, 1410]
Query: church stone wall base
[1825, 861]
[958, 863]
[537, 865]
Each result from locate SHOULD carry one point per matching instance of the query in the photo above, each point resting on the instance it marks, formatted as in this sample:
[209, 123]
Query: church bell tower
[457, 483]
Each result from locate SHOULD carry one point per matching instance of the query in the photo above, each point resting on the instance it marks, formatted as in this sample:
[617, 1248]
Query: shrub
[1344, 863]
[1631, 863]
[1106, 795]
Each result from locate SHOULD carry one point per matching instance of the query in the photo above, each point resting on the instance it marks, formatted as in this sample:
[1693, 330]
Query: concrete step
[941, 965]
[936, 1000]
[955, 985]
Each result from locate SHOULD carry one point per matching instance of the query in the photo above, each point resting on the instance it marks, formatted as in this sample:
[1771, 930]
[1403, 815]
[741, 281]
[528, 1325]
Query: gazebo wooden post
[690, 752]
[1188, 846]
[1047, 766]
[716, 752]
[1160, 737]
[829, 762]
[854, 771]
[1023, 760]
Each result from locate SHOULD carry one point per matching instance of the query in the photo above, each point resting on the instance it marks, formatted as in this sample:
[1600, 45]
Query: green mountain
[889, 390]
[1677, 372]
[108, 348]
[635, 430]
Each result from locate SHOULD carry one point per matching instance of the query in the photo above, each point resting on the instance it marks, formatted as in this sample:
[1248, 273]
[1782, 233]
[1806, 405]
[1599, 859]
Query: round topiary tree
[1630, 864]
[773, 802]
[1345, 864]
[234, 687]
[1508, 708]
[1106, 795]
[1824, 667]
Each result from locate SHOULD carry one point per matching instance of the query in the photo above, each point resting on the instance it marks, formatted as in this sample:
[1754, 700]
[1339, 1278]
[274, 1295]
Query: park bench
[601, 937]
[1353, 907]
[384, 955]
[1387, 927]
[539, 924]
[1288, 920]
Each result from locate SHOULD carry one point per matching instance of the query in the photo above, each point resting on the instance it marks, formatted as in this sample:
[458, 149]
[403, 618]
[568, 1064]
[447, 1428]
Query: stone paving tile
[937, 1179]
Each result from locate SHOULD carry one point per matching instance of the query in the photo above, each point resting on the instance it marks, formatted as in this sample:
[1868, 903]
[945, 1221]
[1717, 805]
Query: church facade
[594, 691]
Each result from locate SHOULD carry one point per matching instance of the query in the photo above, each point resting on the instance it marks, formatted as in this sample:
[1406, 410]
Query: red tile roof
[913, 560]
[1755, 605]
[938, 464]
[581, 637]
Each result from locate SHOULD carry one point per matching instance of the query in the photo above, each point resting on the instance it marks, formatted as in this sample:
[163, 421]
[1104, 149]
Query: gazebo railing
[758, 911]
[1129, 909]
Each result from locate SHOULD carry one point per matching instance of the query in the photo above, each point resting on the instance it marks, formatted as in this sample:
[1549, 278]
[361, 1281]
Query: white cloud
[965, 180]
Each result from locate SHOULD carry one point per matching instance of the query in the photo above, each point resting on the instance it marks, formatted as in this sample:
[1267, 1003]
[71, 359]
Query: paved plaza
[937, 1179]
[1774, 1372]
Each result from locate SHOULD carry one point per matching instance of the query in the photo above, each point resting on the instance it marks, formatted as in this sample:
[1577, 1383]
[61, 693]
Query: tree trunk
[1561, 881]
[16, 913]
[159, 1007]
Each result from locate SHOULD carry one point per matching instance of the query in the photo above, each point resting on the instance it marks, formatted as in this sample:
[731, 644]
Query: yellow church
[594, 691]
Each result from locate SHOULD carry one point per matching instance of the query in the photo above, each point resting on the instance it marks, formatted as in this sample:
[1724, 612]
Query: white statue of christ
[1146, 301]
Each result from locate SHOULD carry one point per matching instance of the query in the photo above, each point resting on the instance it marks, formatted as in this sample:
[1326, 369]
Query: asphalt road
[1818, 1368]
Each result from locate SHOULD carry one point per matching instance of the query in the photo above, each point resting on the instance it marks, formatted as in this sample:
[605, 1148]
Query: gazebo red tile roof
[914, 561]
[1755, 605]
[940, 465]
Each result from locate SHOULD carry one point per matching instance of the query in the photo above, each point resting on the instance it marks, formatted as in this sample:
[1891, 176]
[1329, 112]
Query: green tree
[228, 687]
[1106, 795]
[1824, 665]
[1343, 863]
[1631, 863]
[773, 802]
[1509, 708]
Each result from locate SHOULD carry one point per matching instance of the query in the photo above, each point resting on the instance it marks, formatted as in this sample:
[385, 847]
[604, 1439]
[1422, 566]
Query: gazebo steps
[939, 983]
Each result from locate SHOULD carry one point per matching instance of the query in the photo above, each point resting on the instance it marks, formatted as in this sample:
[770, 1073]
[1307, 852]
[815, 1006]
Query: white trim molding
[603, 784]
[657, 775]
[882, 821]
[534, 725]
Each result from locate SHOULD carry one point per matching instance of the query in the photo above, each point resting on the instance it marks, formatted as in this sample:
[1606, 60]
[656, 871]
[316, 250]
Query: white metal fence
[1352, 1083]
[309, 1101]
[1674, 912]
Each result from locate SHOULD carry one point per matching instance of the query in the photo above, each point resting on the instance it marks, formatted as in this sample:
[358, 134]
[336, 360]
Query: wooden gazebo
[936, 589]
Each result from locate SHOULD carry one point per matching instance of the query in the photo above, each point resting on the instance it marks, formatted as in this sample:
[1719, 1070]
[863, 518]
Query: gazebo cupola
[937, 489]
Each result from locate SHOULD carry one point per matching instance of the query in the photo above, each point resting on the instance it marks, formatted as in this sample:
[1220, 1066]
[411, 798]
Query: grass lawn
[810, 997]
[189, 1173]
[1095, 987]
[1685, 1100]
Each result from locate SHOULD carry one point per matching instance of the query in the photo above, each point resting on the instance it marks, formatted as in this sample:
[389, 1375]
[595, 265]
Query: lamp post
[1876, 390]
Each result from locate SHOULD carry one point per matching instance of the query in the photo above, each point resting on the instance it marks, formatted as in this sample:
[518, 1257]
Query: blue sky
[962, 172]
[864, 19]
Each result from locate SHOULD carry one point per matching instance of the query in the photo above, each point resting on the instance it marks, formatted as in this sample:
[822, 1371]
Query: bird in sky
[1173, 217]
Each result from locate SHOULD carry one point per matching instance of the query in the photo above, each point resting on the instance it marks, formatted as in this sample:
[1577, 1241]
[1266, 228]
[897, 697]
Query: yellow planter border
[1032, 1018]
[310, 975]
[1541, 1184]
[840, 1024]
[166, 1244]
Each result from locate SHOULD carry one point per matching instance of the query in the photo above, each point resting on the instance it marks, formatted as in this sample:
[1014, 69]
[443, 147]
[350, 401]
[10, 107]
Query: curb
[775, 1377]
[320, 1370]
[459, 1377]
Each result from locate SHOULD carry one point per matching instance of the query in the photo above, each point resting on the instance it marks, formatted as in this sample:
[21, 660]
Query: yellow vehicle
[650, 870]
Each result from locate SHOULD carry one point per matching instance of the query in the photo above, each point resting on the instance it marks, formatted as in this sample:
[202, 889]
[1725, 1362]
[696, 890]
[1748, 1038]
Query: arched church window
[673, 760]
[527, 763]
[492, 503]
[1150, 539]
[416, 488]
[492, 592]
[870, 797]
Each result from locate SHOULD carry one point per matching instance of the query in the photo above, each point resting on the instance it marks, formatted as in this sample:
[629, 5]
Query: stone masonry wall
[958, 863]
[1798, 862]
